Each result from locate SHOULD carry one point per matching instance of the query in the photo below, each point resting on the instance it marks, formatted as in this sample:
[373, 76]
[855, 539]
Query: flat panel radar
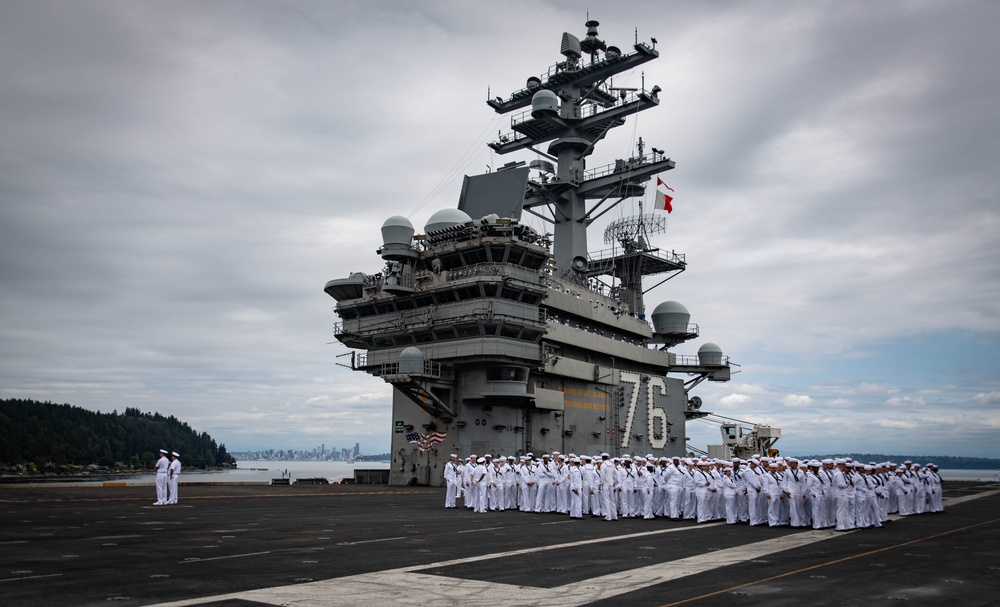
[501, 192]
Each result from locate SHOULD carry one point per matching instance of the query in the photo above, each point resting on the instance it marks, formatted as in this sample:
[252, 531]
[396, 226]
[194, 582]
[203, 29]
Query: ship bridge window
[443, 333]
[405, 303]
[445, 296]
[473, 256]
[468, 330]
[423, 337]
[367, 310]
[490, 289]
[471, 292]
[530, 298]
[511, 331]
[404, 339]
[383, 342]
[348, 313]
[518, 374]
[511, 294]
[384, 307]
[530, 335]
[490, 328]
[499, 252]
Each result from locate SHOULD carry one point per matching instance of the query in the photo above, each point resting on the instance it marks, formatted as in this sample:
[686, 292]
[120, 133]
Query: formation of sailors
[833, 493]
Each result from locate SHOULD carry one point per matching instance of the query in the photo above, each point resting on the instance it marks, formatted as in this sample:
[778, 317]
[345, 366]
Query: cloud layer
[179, 182]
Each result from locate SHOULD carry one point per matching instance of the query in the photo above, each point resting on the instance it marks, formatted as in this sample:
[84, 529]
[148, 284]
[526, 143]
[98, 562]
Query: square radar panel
[501, 192]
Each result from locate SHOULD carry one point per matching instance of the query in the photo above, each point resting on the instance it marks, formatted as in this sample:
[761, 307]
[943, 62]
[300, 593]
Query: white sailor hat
[736, 460]
[453, 455]
[489, 455]
[827, 461]
[164, 451]
[587, 458]
[869, 467]
[575, 460]
[529, 454]
[605, 455]
[510, 457]
[175, 454]
[756, 456]
[773, 465]
[481, 460]
[916, 465]
[839, 461]
[814, 463]
[555, 453]
[792, 460]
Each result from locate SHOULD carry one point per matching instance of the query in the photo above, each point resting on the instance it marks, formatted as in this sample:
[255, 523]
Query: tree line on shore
[43, 435]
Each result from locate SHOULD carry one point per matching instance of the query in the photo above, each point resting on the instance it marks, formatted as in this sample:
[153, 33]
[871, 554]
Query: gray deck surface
[240, 546]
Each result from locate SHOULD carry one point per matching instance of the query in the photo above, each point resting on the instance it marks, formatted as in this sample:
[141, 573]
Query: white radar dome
[397, 230]
[411, 360]
[710, 354]
[544, 102]
[670, 317]
[446, 218]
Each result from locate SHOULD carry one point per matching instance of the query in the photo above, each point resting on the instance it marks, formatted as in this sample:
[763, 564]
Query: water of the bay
[264, 470]
[260, 470]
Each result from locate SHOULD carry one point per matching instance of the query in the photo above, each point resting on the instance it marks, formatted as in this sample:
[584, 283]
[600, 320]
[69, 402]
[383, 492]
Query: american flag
[425, 441]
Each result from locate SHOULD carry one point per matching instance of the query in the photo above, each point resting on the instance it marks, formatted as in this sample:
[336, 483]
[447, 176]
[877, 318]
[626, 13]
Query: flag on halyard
[425, 442]
[663, 200]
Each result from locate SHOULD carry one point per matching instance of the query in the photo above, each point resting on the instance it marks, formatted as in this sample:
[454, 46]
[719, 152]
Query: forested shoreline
[39, 437]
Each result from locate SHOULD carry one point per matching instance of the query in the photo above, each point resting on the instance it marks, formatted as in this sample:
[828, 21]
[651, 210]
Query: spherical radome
[446, 218]
[411, 360]
[670, 317]
[397, 230]
[710, 354]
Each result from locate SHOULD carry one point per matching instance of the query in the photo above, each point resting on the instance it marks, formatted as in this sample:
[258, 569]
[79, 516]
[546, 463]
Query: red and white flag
[663, 200]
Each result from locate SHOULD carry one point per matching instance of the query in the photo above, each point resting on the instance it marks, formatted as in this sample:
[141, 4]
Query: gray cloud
[179, 182]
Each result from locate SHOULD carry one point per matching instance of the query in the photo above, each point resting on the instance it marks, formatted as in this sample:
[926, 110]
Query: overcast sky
[179, 180]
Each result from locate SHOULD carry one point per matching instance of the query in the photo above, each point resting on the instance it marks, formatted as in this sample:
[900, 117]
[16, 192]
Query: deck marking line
[29, 577]
[219, 558]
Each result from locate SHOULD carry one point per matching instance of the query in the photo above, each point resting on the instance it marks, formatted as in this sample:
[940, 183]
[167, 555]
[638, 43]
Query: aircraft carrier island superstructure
[499, 339]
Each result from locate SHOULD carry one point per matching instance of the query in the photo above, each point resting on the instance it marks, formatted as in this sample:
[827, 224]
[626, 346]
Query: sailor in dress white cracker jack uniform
[174, 472]
[451, 479]
[162, 466]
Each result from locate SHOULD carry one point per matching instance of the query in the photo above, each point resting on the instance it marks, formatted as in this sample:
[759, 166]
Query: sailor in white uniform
[451, 480]
[936, 504]
[795, 485]
[174, 472]
[576, 489]
[844, 488]
[608, 477]
[162, 467]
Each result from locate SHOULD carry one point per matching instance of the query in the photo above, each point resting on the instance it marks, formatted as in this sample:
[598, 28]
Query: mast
[572, 107]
